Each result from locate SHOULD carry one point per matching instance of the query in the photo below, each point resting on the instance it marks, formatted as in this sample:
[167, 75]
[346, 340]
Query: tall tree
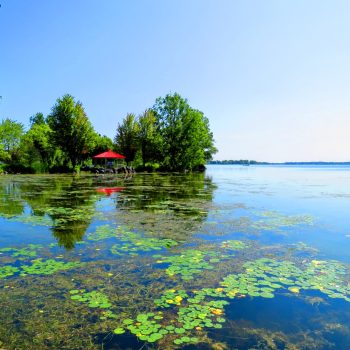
[11, 133]
[149, 138]
[37, 118]
[4, 156]
[126, 139]
[102, 144]
[71, 129]
[37, 148]
[187, 139]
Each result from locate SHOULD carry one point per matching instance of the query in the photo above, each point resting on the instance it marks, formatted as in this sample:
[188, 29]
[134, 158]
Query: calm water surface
[237, 258]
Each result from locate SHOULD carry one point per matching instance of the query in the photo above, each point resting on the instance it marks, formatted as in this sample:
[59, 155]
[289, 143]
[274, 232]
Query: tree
[149, 137]
[10, 135]
[187, 139]
[4, 156]
[37, 150]
[71, 129]
[196, 139]
[102, 144]
[38, 118]
[126, 139]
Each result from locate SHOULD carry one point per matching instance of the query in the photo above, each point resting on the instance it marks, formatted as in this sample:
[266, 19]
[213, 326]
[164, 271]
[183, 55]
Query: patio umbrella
[109, 155]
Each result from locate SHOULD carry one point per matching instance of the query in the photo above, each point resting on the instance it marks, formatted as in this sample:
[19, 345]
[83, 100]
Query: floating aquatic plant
[29, 251]
[195, 311]
[171, 297]
[63, 215]
[185, 340]
[234, 245]
[204, 314]
[102, 232]
[263, 276]
[92, 299]
[132, 242]
[8, 270]
[142, 244]
[177, 207]
[145, 327]
[47, 267]
[190, 262]
[106, 314]
[273, 220]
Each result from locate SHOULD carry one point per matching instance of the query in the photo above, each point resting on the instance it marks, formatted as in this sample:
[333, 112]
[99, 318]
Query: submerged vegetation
[144, 268]
[182, 316]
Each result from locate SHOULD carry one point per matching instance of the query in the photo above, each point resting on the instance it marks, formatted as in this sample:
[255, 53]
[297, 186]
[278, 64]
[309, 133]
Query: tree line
[240, 162]
[170, 136]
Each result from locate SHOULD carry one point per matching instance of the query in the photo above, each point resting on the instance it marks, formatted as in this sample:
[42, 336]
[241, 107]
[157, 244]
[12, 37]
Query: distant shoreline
[253, 162]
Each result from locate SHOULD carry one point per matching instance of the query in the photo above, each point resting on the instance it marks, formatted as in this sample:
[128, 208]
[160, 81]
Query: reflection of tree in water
[68, 236]
[163, 205]
[69, 201]
[168, 206]
[11, 203]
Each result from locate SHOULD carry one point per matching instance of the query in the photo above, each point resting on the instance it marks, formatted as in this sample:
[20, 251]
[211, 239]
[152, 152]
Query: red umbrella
[109, 155]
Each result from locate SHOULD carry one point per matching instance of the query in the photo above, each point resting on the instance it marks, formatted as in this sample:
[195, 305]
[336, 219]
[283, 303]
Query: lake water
[254, 257]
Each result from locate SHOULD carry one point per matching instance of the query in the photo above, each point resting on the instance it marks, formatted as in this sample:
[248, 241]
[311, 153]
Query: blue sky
[273, 77]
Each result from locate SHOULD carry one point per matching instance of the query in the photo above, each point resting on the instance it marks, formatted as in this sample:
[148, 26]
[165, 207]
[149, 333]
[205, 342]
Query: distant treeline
[254, 162]
[241, 162]
[316, 163]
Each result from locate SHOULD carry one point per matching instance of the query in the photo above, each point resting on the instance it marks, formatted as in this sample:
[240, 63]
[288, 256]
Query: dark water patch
[326, 321]
[110, 341]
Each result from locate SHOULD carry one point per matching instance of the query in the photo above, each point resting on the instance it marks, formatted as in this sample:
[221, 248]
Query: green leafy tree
[71, 129]
[126, 139]
[37, 150]
[149, 138]
[4, 156]
[38, 118]
[102, 144]
[187, 139]
[11, 133]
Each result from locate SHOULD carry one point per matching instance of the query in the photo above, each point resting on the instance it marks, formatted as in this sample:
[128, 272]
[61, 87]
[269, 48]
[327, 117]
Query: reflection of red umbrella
[109, 155]
[109, 190]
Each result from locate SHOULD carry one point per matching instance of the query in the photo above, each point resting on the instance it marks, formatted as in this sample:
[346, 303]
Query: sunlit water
[253, 257]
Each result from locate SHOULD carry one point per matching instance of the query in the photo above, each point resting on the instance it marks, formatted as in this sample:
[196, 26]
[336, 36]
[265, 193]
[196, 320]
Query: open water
[253, 257]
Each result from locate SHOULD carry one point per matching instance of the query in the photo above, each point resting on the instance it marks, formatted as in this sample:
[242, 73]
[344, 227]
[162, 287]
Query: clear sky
[273, 77]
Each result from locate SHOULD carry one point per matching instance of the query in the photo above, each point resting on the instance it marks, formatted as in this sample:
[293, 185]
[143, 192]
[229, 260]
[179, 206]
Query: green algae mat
[230, 259]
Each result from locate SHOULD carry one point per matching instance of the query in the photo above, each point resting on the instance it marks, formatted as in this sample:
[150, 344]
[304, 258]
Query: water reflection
[10, 199]
[148, 202]
[109, 190]
[171, 206]
[163, 265]
[65, 202]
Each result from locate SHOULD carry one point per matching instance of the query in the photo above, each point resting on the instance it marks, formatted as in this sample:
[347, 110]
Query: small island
[169, 136]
